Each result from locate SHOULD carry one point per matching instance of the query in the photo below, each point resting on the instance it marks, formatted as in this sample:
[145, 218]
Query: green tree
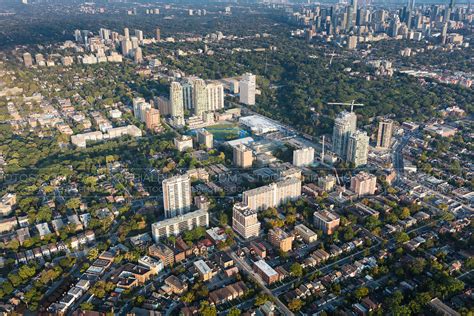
[296, 270]
[295, 305]
[234, 311]
[361, 292]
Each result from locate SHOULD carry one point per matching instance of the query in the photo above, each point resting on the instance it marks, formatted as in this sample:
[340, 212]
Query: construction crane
[352, 104]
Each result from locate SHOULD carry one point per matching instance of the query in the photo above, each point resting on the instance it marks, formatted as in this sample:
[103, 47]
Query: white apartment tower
[199, 97]
[272, 195]
[177, 197]
[358, 148]
[247, 89]
[176, 99]
[344, 125]
[215, 96]
[245, 221]
[303, 157]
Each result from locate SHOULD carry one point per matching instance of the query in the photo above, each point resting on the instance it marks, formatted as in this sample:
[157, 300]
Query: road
[244, 266]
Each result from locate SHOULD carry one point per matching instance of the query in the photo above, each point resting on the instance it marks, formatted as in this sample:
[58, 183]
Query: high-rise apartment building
[126, 47]
[215, 96]
[352, 42]
[247, 89]
[199, 97]
[188, 94]
[245, 221]
[126, 33]
[140, 106]
[384, 135]
[27, 60]
[152, 119]
[280, 239]
[326, 221]
[179, 224]
[158, 34]
[358, 148]
[344, 125]
[272, 195]
[176, 99]
[303, 157]
[177, 198]
[364, 184]
[205, 138]
[243, 157]
[139, 35]
[138, 55]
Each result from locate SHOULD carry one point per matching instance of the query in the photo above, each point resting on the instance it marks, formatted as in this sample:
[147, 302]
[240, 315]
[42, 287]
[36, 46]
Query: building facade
[245, 221]
[177, 198]
[177, 225]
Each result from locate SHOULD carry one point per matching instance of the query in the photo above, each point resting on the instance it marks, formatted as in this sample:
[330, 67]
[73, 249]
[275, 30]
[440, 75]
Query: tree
[93, 254]
[87, 306]
[295, 305]
[73, 203]
[261, 299]
[296, 270]
[205, 309]
[234, 311]
[361, 292]
[401, 237]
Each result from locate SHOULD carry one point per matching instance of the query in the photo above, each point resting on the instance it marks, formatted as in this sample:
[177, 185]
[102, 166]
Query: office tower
[303, 157]
[137, 56]
[243, 157]
[179, 224]
[126, 47]
[394, 26]
[358, 148]
[344, 124]
[279, 238]
[326, 221]
[215, 96]
[411, 6]
[27, 60]
[364, 183]
[205, 138]
[247, 89]
[139, 36]
[349, 15]
[384, 135]
[188, 94]
[352, 42]
[157, 34]
[176, 99]
[199, 97]
[245, 221]
[176, 195]
[448, 11]
[126, 33]
[444, 33]
[272, 195]
[152, 119]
